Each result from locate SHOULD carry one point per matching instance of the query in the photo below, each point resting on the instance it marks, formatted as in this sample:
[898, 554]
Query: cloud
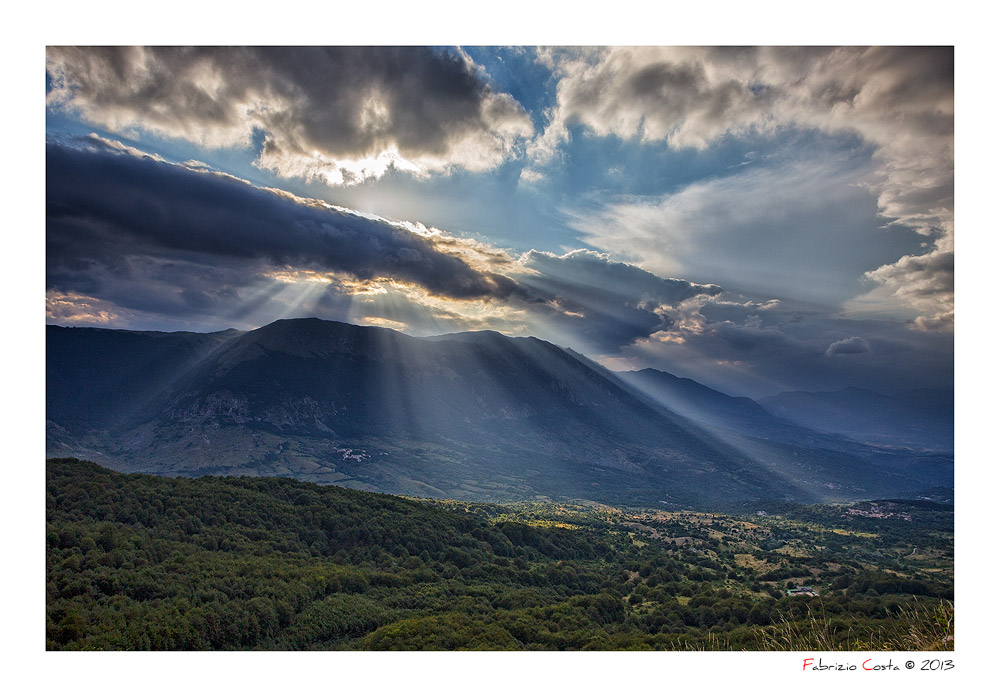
[926, 282]
[132, 236]
[855, 344]
[756, 349]
[669, 94]
[79, 309]
[605, 276]
[794, 228]
[139, 242]
[602, 303]
[339, 114]
[899, 100]
[108, 208]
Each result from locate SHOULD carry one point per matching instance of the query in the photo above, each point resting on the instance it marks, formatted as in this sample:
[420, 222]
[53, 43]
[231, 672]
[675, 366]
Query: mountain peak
[310, 337]
[473, 415]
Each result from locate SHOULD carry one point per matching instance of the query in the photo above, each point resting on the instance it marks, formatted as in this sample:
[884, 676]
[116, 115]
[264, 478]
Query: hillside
[154, 563]
[109, 378]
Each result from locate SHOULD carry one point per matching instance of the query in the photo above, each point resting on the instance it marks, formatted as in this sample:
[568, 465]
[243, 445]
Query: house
[802, 590]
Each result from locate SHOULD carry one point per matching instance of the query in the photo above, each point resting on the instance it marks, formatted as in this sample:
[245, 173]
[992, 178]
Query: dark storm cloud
[603, 276]
[747, 340]
[608, 304]
[317, 108]
[131, 231]
[106, 209]
[162, 287]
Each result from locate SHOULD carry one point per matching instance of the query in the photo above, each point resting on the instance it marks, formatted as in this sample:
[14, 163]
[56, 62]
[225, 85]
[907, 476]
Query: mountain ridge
[471, 415]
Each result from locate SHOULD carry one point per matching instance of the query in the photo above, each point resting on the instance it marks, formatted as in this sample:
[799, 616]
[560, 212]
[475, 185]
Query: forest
[142, 562]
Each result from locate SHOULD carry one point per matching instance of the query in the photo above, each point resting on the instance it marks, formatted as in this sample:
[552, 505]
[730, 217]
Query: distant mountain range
[916, 418]
[474, 416]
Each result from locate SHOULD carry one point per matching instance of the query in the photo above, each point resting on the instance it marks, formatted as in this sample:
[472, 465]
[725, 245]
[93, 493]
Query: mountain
[701, 403]
[106, 377]
[916, 419]
[475, 415]
[747, 426]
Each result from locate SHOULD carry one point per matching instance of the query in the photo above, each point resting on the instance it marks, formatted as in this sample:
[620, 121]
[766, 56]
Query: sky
[757, 219]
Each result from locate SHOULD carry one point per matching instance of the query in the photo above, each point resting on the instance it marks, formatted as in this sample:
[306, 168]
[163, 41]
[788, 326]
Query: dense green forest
[142, 562]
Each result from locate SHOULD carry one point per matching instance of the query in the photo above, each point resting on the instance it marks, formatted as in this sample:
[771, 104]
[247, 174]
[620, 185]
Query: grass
[917, 627]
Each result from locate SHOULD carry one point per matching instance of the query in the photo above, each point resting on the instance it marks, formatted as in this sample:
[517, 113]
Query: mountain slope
[103, 377]
[472, 416]
[780, 442]
[469, 416]
[701, 403]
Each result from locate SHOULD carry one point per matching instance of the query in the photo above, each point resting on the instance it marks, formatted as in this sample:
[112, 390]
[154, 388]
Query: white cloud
[899, 100]
[75, 308]
[854, 344]
[796, 229]
[925, 282]
[343, 114]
